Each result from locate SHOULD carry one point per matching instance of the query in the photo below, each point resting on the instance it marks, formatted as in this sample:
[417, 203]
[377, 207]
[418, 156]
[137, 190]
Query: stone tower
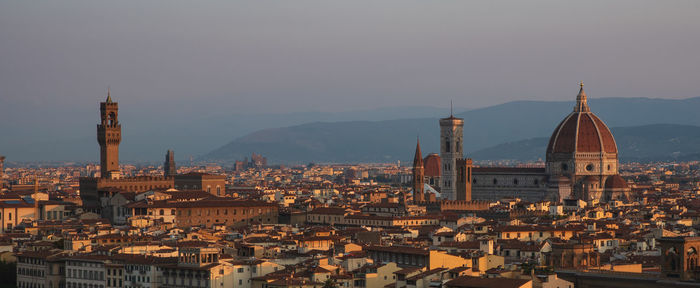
[109, 135]
[169, 166]
[464, 179]
[451, 130]
[418, 176]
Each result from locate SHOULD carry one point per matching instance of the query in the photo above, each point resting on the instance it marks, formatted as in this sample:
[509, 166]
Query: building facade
[109, 135]
[581, 163]
[451, 136]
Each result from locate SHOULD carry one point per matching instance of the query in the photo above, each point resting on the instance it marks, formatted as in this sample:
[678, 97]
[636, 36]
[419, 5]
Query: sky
[191, 58]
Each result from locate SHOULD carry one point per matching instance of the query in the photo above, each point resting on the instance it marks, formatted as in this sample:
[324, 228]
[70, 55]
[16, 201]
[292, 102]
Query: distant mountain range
[486, 130]
[49, 134]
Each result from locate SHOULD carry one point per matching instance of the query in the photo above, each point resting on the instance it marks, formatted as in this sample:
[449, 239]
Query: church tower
[418, 176]
[169, 165]
[109, 135]
[451, 130]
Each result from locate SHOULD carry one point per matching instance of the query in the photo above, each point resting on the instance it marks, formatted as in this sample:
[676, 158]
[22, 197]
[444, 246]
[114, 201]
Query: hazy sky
[257, 56]
[169, 62]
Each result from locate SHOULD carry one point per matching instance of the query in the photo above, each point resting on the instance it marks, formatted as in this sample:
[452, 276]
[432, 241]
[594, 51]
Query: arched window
[161, 212]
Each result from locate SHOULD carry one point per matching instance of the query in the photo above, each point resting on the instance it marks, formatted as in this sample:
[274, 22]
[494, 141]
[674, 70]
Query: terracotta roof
[431, 165]
[476, 282]
[615, 182]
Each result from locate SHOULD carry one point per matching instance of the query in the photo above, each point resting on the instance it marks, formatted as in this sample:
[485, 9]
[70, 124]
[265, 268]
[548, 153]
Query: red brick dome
[432, 165]
[615, 182]
[582, 131]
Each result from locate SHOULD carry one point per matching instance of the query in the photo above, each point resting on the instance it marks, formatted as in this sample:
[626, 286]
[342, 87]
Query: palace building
[95, 191]
[581, 163]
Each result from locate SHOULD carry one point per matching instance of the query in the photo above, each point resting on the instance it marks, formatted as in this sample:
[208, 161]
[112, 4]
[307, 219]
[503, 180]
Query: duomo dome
[583, 149]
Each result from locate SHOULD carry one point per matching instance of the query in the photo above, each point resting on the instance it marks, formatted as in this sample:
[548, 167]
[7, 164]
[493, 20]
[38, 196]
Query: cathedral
[581, 163]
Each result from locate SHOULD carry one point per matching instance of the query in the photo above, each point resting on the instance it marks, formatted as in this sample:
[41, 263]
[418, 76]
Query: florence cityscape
[319, 144]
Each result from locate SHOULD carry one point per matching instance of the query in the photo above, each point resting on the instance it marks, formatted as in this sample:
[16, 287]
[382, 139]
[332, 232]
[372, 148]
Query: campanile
[109, 135]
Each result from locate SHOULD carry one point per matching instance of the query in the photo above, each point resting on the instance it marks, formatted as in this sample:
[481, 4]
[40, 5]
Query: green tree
[330, 284]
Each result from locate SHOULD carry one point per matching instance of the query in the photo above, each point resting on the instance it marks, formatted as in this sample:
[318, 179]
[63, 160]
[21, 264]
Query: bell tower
[418, 176]
[109, 135]
[451, 133]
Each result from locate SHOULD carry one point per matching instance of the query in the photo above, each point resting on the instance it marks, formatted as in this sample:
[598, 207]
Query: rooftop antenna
[451, 108]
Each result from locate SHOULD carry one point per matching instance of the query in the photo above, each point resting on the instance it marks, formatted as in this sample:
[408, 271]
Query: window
[589, 167]
[447, 146]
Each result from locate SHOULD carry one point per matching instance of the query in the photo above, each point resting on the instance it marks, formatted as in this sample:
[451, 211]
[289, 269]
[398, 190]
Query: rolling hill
[513, 122]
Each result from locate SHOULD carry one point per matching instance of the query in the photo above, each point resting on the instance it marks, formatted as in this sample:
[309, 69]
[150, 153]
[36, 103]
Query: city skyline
[355, 144]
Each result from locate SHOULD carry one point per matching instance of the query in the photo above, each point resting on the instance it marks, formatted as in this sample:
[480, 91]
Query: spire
[451, 114]
[109, 97]
[581, 100]
[418, 158]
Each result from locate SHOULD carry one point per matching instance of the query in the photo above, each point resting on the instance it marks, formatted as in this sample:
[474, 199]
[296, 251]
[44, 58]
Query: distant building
[169, 165]
[582, 163]
[418, 175]
[451, 133]
[257, 161]
[212, 184]
[431, 166]
[96, 192]
[109, 135]
[2, 171]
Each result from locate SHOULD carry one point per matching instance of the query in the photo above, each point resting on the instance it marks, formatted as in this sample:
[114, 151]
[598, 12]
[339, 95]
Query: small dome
[431, 165]
[582, 131]
[616, 182]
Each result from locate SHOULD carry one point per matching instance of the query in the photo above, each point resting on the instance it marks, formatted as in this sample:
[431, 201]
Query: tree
[330, 284]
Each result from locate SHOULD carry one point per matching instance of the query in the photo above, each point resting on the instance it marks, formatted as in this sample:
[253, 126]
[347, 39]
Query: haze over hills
[657, 142]
[392, 140]
[148, 132]
[352, 136]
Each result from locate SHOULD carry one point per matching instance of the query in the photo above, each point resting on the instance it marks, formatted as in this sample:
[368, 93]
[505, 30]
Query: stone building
[451, 133]
[233, 213]
[109, 135]
[169, 165]
[212, 184]
[573, 256]
[679, 258]
[581, 163]
[96, 192]
[418, 176]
